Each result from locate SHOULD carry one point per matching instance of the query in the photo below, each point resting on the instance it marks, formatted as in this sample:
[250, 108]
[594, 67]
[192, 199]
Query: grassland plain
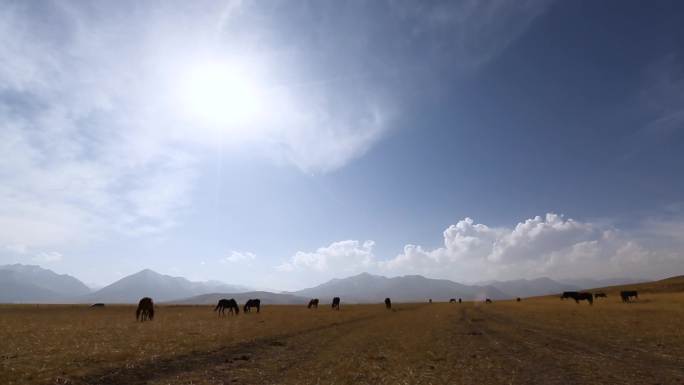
[536, 341]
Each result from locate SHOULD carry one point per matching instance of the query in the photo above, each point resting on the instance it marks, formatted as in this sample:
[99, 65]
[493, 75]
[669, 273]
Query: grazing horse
[145, 310]
[627, 294]
[453, 300]
[97, 305]
[313, 303]
[488, 300]
[600, 295]
[336, 303]
[388, 303]
[252, 303]
[229, 304]
[579, 297]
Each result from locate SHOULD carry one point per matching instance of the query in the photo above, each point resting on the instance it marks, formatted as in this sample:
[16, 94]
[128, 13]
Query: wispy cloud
[93, 131]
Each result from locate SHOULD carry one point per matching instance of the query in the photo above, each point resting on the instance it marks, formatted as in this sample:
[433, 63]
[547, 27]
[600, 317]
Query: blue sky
[279, 144]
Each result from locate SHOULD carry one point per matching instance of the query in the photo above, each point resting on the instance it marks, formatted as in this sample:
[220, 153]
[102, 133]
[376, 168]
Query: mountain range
[33, 284]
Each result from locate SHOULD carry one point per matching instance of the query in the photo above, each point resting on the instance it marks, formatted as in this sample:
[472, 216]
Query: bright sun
[222, 95]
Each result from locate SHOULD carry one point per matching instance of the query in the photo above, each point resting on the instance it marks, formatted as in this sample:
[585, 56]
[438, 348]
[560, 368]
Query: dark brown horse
[313, 303]
[388, 303]
[626, 295]
[336, 303]
[145, 310]
[252, 303]
[229, 304]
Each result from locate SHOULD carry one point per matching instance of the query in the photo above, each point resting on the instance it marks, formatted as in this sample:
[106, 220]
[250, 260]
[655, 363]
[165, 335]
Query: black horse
[568, 294]
[579, 296]
[336, 303]
[252, 303]
[626, 295]
[145, 310]
[229, 304]
[488, 300]
[388, 303]
[313, 303]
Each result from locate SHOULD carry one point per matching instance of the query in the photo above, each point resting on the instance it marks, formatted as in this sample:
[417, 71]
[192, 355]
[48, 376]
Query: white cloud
[541, 246]
[343, 257]
[48, 257]
[239, 256]
[93, 133]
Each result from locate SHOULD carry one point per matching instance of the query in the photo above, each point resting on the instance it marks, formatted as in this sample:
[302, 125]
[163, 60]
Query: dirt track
[434, 344]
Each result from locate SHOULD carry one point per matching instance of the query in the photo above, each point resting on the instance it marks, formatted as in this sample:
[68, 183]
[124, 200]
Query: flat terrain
[536, 341]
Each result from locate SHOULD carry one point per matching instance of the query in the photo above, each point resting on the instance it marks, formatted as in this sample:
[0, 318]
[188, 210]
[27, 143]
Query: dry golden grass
[544, 340]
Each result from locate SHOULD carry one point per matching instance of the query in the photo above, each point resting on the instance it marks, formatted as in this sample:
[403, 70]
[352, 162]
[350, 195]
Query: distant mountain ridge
[364, 288]
[31, 283]
[267, 298]
[160, 287]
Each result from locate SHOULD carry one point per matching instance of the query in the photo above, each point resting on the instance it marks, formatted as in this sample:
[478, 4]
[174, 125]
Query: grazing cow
[388, 303]
[336, 303]
[313, 303]
[488, 300]
[453, 300]
[430, 300]
[568, 294]
[518, 299]
[459, 300]
[252, 303]
[145, 310]
[600, 295]
[627, 294]
[97, 305]
[229, 304]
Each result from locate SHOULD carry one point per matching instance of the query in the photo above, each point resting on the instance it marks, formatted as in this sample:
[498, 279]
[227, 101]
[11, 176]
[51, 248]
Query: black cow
[627, 294]
[600, 295]
[336, 303]
[430, 300]
[459, 300]
[488, 300]
[388, 303]
[453, 300]
[313, 303]
[145, 310]
[97, 305]
[518, 299]
[229, 304]
[252, 303]
[569, 294]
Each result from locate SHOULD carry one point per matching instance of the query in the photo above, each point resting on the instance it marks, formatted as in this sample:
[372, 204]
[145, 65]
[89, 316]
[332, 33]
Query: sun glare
[222, 95]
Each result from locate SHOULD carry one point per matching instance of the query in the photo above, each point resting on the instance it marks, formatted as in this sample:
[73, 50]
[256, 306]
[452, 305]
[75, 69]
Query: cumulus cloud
[239, 256]
[343, 257]
[541, 246]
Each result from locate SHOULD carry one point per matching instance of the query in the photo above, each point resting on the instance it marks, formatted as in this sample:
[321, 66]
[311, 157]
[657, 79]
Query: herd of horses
[625, 295]
[145, 310]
